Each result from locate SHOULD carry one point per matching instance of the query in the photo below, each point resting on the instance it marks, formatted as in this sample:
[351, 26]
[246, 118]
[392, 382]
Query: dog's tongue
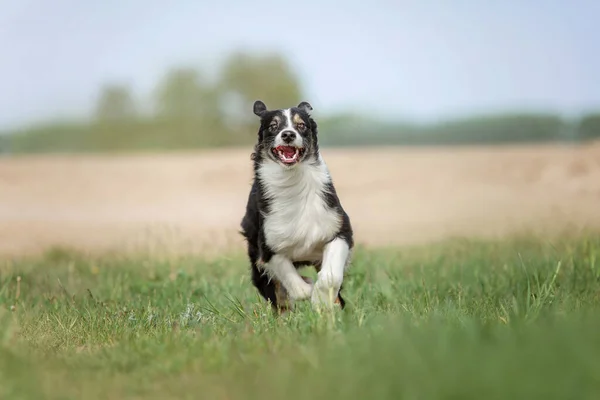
[288, 151]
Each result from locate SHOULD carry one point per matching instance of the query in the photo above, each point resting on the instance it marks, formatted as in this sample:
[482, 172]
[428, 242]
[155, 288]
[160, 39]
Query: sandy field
[193, 202]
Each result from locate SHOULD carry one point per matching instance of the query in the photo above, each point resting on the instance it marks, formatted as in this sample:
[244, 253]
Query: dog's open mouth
[288, 154]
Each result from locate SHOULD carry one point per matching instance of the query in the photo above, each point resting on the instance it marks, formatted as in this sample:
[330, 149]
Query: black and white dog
[294, 217]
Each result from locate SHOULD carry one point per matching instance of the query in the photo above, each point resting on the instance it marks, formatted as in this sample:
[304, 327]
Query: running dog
[294, 217]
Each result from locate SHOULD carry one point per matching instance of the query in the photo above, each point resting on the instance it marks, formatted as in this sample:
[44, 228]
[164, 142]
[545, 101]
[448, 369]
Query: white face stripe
[287, 114]
[289, 126]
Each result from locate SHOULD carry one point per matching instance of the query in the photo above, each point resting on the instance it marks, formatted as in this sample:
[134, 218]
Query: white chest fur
[299, 222]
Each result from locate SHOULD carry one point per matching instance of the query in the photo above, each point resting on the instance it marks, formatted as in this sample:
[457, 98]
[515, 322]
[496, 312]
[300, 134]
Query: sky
[397, 59]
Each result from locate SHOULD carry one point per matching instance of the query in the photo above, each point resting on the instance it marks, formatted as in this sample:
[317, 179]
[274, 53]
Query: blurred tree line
[189, 110]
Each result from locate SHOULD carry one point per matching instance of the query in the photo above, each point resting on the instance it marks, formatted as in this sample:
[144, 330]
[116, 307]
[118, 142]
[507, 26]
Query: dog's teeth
[283, 156]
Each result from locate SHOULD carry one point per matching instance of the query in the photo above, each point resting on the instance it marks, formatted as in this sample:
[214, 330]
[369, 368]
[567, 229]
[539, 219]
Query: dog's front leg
[331, 275]
[282, 269]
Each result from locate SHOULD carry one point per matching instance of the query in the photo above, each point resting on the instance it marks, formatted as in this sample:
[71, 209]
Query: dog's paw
[324, 297]
[301, 291]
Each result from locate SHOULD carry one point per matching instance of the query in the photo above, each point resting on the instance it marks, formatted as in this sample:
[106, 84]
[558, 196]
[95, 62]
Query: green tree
[187, 109]
[246, 77]
[184, 94]
[115, 103]
[589, 127]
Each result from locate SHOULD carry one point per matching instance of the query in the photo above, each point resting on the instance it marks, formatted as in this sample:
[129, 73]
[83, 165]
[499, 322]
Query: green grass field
[458, 320]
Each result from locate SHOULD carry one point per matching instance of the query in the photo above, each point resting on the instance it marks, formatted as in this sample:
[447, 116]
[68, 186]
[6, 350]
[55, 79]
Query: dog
[293, 216]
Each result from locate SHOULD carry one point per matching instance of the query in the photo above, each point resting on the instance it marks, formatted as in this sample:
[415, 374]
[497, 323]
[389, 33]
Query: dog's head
[286, 136]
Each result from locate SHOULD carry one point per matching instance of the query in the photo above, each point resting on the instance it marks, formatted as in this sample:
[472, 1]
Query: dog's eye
[301, 126]
[273, 126]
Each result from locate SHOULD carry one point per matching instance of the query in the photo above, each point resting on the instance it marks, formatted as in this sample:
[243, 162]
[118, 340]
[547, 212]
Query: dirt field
[193, 202]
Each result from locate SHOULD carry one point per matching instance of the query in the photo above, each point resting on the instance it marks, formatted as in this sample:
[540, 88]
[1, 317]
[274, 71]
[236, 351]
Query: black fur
[258, 204]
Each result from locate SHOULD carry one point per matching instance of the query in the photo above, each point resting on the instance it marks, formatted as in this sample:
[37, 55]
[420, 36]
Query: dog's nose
[288, 137]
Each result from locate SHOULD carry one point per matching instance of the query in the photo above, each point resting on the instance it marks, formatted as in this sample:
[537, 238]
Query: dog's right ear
[259, 108]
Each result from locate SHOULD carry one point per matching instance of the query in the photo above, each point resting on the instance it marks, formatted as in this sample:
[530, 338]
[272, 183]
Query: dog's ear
[259, 108]
[306, 107]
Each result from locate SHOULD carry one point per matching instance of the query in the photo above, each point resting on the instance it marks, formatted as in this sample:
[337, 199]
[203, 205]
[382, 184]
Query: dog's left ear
[306, 107]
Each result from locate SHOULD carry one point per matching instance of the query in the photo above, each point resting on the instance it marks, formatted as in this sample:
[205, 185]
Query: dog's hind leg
[265, 286]
[271, 290]
[284, 303]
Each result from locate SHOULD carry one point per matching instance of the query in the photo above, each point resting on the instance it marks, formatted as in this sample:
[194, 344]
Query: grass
[458, 320]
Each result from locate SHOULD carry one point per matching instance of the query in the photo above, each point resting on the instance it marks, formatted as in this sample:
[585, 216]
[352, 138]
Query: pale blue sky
[419, 59]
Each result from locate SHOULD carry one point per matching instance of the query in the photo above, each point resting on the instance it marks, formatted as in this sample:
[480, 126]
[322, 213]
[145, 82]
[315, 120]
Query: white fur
[299, 222]
[284, 271]
[335, 259]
